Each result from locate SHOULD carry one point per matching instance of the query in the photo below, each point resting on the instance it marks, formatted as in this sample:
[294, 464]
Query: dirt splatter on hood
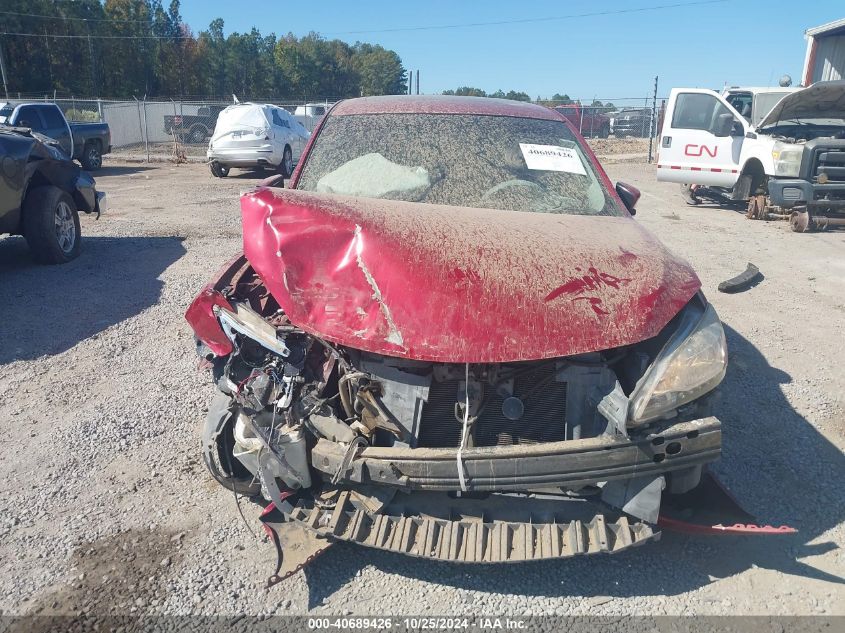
[455, 284]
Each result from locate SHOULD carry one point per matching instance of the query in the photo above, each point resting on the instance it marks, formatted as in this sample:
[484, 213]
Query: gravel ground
[106, 508]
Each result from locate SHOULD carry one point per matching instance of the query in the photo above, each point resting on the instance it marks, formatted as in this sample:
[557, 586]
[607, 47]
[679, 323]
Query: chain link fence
[159, 129]
[628, 117]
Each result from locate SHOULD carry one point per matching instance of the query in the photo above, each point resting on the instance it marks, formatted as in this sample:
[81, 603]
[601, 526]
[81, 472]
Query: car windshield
[499, 162]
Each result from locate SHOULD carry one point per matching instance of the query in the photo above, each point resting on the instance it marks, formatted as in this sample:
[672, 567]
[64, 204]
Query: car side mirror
[724, 125]
[630, 195]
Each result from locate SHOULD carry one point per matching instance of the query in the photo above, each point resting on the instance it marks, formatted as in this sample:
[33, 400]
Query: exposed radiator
[543, 420]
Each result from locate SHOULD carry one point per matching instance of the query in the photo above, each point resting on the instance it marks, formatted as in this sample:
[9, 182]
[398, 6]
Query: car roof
[442, 104]
[253, 104]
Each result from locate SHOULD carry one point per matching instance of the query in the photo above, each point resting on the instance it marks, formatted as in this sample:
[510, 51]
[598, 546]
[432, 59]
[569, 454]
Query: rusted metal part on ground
[804, 221]
[756, 208]
[760, 208]
[742, 281]
[711, 509]
[475, 534]
[295, 546]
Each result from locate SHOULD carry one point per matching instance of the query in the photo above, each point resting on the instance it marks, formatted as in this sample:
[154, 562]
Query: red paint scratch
[592, 281]
[595, 304]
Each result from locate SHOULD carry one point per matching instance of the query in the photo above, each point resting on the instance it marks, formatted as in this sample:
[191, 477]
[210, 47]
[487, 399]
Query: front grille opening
[830, 165]
[543, 419]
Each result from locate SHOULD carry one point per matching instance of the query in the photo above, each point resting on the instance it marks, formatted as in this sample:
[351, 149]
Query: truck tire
[286, 166]
[92, 156]
[197, 135]
[604, 131]
[51, 225]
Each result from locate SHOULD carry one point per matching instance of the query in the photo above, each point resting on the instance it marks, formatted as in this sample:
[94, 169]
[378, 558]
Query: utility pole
[3, 70]
[91, 60]
[652, 122]
[410, 82]
[418, 81]
[49, 61]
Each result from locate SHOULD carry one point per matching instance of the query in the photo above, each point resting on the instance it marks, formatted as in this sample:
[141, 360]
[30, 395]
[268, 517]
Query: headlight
[249, 323]
[692, 362]
[787, 159]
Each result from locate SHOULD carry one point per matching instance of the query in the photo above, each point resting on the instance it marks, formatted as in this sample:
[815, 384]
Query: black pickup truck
[86, 142]
[42, 192]
[193, 128]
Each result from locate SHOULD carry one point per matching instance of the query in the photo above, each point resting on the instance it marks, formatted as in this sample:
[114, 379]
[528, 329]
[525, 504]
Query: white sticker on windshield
[552, 158]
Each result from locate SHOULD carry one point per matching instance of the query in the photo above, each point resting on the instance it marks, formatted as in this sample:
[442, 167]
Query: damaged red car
[449, 338]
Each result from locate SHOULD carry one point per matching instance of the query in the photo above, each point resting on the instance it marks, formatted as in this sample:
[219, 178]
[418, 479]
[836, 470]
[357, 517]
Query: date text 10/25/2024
[417, 623]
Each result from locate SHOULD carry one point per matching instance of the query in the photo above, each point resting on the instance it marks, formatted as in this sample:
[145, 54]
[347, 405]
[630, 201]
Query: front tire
[51, 225]
[604, 132]
[286, 166]
[92, 156]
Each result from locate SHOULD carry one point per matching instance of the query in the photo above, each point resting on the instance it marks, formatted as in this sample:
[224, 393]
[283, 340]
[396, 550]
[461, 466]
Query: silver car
[250, 135]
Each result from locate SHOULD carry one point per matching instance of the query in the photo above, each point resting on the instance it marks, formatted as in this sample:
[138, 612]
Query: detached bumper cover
[504, 530]
[525, 467]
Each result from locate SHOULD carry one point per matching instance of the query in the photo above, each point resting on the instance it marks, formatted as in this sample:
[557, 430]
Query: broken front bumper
[567, 464]
[498, 529]
[796, 192]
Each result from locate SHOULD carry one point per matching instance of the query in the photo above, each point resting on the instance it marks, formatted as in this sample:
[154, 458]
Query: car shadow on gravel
[49, 309]
[120, 170]
[777, 464]
[251, 174]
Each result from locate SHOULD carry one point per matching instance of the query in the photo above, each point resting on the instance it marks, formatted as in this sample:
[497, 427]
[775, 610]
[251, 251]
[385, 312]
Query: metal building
[825, 58]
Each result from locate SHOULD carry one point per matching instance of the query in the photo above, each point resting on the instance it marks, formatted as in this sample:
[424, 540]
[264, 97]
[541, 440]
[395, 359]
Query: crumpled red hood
[454, 284]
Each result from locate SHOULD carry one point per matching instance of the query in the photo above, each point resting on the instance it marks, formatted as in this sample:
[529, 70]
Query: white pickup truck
[781, 149]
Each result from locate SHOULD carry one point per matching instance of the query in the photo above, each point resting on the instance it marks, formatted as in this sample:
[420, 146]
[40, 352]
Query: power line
[103, 37]
[571, 16]
[63, 17]
[529, 20]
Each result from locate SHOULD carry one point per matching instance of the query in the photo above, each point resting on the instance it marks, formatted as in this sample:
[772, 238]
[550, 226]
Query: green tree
[466, 91]
[142, 47]
[517, 96]
[380, 70]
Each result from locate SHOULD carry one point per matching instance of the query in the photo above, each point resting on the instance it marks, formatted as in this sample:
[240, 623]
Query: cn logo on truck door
[691, 149]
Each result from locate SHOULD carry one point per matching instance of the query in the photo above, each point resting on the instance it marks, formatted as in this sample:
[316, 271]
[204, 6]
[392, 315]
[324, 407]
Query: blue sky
[739, 42]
